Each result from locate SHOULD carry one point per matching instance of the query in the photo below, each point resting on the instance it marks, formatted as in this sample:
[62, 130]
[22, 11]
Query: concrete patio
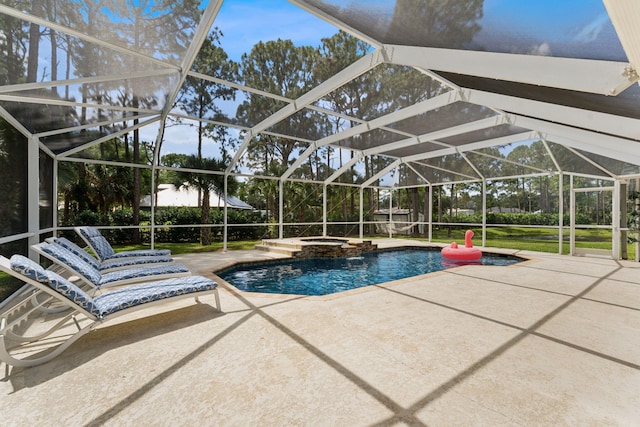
[551, 341]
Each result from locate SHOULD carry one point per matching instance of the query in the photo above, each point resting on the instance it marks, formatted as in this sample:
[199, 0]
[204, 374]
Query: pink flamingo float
[467, 253]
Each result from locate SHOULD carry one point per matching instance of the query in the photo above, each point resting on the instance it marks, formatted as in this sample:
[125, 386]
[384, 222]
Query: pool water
[323, 276]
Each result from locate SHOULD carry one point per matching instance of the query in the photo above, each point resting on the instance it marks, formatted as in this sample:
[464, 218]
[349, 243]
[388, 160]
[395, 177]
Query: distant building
[497, 209]
[168, 196]
[401, 221]
[457, 212]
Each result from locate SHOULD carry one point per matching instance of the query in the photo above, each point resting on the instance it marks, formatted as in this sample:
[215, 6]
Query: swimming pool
[323, 276]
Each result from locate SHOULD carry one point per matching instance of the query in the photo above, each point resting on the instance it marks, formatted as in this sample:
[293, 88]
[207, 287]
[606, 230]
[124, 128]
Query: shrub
[548, 219]
[174, 216]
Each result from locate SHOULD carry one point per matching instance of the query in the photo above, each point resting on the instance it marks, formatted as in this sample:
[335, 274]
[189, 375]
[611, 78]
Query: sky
[548, 24]
[573, 28]
[246, 22]
[243, 24]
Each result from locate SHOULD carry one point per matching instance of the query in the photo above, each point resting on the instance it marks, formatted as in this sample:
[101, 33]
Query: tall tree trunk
[54, 58]
[351, 193]
[200, 132]
[200, 129]
[427, 205]
[343, 193]
[67, 205]
[83, 202]
[370, 205]
[14, 64]
[451, 208]
[439, 203]
[68, 65]
[542, 191]
[205, 232]
[415, 211]
[34, 43]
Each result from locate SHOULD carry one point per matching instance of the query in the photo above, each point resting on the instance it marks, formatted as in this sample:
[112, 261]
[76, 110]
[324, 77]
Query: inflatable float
[467, 253]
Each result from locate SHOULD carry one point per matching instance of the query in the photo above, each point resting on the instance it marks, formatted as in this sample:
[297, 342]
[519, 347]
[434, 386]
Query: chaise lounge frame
[20, 313]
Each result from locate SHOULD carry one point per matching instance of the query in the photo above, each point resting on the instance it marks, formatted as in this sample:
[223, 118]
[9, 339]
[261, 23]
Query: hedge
[517, 219]
[188, 216]
[171, 216]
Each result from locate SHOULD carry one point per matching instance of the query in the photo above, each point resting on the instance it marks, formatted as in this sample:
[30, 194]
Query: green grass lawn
[532, 239]
[190, 248]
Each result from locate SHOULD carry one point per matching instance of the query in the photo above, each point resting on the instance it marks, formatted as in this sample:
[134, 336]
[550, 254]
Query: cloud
[592, 30]
[543, 49]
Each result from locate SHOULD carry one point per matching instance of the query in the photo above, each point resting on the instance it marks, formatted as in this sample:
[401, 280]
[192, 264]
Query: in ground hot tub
[319, 246]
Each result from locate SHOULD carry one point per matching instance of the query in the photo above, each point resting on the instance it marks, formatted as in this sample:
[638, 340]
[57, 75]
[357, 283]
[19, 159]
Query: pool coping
[526, 260]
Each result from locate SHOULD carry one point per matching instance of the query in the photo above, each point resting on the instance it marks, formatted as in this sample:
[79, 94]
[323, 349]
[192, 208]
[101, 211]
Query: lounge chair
[96, 310]
[95, 279]
[111, 264]
[103, 250]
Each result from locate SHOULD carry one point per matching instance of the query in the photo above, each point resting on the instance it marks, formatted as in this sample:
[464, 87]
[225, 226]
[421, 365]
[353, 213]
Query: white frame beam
[625, 15]
[86, 80]
[66, 30]
[33, 193]
[106, 138]
[419, 108]
[524, 136]
[587, 119]
[380, 174]
[621, 149]
[583, 75]
[433, 137]
[354, 70]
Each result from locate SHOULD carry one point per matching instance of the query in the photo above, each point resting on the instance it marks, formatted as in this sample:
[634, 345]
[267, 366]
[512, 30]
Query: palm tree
[205, 183]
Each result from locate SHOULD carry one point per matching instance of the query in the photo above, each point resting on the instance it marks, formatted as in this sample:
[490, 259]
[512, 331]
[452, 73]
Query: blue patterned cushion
[73, 261]
[140, 272]
[98, 243]
[104, 251]
[141, 253]
[132, 262]
[77, 250]
[101, 247]
[131, 296]
[72, 292]
[29, 268]
[112, 263]
[88, 231]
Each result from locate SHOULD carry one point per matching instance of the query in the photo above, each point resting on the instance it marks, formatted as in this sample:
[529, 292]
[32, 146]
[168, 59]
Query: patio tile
[530, 344]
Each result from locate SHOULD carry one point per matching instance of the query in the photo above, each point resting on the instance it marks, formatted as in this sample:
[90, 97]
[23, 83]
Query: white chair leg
[7, 358]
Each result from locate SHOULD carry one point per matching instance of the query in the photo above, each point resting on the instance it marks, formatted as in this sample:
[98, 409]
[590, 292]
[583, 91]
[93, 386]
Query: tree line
[279, 68]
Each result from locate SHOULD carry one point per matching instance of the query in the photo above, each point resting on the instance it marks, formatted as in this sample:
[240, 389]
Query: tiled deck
[552, 341]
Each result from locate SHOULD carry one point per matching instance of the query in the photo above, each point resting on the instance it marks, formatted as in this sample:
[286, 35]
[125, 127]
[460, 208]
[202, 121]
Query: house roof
[168, 195]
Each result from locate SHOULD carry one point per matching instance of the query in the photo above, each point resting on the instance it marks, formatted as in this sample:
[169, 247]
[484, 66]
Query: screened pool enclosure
[324, 116]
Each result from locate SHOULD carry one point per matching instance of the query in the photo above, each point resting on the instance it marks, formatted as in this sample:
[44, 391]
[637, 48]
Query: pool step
[279, 250]
[281, 246]
[296, 248]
